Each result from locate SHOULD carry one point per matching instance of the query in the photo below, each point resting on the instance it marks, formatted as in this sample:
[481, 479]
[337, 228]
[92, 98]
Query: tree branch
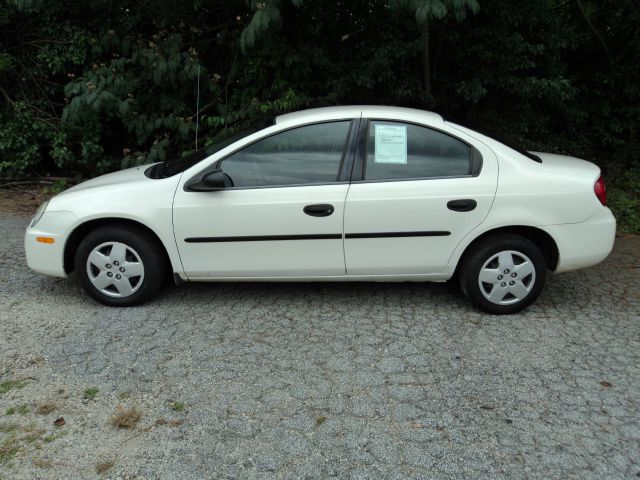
[6, 97]
[595, 31]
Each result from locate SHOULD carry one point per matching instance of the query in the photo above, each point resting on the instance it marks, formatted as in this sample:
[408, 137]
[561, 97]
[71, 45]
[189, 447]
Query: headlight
[39, 213]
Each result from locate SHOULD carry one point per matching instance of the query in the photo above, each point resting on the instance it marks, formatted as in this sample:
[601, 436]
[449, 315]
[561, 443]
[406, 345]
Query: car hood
[134, 174]
[565, 164]
[129, 185]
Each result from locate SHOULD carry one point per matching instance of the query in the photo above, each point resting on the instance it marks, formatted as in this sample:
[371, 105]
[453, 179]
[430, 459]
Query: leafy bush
[623, 198]
[96, 86]
[23, 136]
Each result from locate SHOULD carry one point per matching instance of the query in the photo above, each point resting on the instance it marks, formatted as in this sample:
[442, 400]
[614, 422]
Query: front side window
[301, 156]
[397, 151]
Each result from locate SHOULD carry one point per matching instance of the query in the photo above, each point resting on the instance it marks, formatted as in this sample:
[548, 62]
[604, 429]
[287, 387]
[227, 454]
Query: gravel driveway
[319, 380]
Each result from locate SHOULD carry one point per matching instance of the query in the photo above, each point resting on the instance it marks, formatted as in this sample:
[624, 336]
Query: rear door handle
[463, 205]
[319, 210]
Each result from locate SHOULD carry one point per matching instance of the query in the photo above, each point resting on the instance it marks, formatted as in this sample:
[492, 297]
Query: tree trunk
[426, 64]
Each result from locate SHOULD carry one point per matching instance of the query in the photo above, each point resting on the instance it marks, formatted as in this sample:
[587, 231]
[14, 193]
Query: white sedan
[359, 193]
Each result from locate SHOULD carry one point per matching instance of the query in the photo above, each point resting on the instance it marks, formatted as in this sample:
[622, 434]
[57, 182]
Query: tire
[120, 266]
[514, 269]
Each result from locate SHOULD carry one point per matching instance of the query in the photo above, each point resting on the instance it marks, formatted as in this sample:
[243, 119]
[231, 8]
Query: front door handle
[319, 210]
[464, 205]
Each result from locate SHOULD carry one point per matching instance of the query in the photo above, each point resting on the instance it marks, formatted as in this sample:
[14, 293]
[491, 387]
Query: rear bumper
[584, 244]
[48, 258]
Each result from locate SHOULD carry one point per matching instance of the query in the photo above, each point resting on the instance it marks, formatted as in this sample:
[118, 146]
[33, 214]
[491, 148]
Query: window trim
[475, 162]
[341, 177]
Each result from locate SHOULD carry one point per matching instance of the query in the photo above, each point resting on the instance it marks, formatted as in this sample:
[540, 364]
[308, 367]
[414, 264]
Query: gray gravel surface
[320, 380]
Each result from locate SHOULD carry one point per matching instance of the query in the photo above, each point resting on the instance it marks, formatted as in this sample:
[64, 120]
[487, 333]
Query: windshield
[168, 168]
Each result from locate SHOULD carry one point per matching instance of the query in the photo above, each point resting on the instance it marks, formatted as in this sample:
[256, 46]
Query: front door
[282, 217]
[419, 192]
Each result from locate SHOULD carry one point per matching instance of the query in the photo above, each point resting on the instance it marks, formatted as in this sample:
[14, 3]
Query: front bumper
[48, 258]
[584, 244]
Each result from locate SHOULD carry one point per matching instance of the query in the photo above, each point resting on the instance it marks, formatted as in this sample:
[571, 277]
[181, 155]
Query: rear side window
[397, 151]
[301, 156]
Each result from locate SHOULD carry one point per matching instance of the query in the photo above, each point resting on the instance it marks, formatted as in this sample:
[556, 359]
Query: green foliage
[436, 9]
[102, 85]
[267, 16]
[90, 393]
[145, 91]
[624, 199]
[234, 121]
[9, 385]
[21, 135]
[6, 62]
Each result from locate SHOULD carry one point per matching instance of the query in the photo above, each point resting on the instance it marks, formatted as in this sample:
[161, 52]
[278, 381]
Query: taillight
[601, 191]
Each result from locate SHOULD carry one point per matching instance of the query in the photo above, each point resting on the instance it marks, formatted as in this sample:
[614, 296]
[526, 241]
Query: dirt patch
[23, 201]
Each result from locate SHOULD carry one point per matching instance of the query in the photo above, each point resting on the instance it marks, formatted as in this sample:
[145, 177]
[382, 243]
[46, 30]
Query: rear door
[416, 193]
[283, 216]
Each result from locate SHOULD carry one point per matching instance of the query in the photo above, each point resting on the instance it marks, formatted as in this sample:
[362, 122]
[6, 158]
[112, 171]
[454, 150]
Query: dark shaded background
[88, 87]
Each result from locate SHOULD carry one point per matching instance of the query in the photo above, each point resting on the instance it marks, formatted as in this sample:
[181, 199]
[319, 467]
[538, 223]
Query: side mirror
[211, 181]
[216, 179]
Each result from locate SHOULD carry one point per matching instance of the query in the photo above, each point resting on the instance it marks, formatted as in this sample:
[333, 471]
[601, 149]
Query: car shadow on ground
[426, 295]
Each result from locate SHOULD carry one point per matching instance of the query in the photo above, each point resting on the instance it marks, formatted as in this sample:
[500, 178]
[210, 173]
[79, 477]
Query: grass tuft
[172, 423]
[8, 449]
[104, 466]
[90, 393]
[54, 436]
[8, 427]
[18, 438]
[9, 385]
[125, 418]
[42, 463]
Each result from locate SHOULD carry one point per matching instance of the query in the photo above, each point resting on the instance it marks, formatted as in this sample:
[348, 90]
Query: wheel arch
[543, 240]
[82, 230]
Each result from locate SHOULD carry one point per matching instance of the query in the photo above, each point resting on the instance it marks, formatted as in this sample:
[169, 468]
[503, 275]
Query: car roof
[355, 111]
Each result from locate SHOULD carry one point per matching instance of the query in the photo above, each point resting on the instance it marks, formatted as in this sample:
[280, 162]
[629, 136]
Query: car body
[339, 193]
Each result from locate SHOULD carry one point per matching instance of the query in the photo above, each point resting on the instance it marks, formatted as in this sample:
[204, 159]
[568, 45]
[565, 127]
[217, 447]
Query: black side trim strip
[397, 234]
[264, 238]
[328, 236]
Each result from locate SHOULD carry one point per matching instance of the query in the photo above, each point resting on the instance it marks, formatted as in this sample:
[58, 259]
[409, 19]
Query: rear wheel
[503, 274]
[120, 266]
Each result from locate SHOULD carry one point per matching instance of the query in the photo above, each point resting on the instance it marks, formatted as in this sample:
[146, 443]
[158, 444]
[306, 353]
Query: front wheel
[503, 273]
[120, 266]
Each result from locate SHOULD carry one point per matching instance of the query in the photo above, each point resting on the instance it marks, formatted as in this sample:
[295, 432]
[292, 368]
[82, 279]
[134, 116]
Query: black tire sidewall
[147, 248]
[485, 249]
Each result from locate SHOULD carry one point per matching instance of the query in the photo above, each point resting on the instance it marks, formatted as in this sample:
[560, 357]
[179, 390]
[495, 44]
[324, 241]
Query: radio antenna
[198, 108]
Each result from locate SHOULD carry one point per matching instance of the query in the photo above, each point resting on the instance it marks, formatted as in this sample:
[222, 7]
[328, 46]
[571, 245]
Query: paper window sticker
[391, 144]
